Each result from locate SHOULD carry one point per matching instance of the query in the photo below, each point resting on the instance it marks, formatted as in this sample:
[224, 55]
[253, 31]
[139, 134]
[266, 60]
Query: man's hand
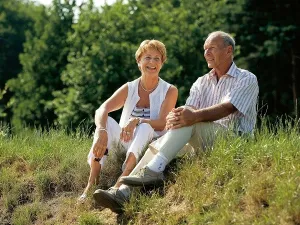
[181, 117]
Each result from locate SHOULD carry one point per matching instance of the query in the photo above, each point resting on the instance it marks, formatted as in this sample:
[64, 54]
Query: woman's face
[150, 62]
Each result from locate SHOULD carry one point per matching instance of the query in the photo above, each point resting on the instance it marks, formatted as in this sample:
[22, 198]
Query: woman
[146, 102]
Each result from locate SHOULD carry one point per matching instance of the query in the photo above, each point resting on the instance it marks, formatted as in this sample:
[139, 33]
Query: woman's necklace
[146, 89]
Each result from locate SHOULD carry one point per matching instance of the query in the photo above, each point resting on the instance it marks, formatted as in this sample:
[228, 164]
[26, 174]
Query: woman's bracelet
[102, 128]
[139, 122]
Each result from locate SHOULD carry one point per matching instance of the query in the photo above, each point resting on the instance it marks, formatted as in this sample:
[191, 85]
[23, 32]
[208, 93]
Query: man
[221, 101]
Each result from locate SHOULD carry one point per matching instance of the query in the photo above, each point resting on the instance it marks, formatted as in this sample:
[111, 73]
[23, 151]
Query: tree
[15, 20]
[267, 34]
[43, 60]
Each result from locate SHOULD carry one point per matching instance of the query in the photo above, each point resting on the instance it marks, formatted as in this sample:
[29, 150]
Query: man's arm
[215, 112]
[187, 116]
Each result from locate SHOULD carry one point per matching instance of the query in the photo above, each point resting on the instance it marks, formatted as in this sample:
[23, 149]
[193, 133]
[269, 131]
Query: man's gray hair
[227, 38]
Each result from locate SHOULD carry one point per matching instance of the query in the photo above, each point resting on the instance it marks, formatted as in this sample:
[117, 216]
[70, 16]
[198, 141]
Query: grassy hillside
[240, 181]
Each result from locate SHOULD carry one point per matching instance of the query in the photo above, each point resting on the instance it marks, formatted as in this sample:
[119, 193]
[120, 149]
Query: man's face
[215, 52]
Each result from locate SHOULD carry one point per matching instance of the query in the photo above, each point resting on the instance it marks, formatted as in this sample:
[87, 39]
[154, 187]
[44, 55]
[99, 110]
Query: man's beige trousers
[200, 136]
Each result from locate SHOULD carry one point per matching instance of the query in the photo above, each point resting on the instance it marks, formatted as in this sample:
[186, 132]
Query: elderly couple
[222, 100]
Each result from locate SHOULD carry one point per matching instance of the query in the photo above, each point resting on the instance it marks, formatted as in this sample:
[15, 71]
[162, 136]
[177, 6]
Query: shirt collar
[230, 72]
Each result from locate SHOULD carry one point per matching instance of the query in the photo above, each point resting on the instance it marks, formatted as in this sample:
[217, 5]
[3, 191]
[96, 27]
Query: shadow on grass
[170, 173]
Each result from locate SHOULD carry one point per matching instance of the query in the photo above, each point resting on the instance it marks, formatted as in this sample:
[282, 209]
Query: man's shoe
[112, 198]
[142, 178]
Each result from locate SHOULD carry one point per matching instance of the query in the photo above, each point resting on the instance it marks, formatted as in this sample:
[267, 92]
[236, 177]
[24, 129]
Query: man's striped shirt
[237, 86]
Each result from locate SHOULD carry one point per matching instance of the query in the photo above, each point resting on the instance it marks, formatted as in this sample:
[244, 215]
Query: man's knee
[205, 134]
[204, 125]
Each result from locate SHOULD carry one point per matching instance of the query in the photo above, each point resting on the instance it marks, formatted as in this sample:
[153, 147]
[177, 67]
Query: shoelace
[112, 190]
[117, 193]
[140, 172]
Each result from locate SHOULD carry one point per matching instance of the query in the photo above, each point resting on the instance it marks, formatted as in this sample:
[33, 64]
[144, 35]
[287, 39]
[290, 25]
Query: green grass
[254, 181]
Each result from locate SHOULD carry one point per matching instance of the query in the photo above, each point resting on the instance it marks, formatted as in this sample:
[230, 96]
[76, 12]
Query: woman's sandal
[82, 197]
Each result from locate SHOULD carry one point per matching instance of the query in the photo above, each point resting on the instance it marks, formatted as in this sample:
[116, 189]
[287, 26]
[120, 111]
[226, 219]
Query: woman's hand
[127, 131]
[170, 117]
[100, 146]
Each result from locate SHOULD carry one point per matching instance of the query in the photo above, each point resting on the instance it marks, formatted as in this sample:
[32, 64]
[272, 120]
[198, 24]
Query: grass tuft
[90, 219]
[26, 215]
[112, 168]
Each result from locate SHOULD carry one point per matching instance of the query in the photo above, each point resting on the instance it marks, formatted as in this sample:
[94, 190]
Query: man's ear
[230, 49]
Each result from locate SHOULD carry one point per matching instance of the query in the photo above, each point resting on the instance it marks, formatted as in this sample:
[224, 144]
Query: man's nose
[206, 52]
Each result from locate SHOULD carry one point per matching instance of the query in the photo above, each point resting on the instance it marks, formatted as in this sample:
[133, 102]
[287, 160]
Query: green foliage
[15, 20]
[93, 56]
[267, 34]
[44, 58]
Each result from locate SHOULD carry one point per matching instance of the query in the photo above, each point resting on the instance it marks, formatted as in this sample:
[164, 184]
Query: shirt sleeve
[244, 95]
[195, 95]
